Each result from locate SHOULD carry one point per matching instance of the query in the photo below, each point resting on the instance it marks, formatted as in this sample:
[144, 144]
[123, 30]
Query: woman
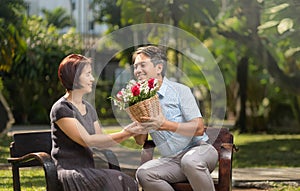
[75, 128]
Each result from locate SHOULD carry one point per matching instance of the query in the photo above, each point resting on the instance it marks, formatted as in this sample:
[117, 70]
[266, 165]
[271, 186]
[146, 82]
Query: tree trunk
[290, 83]
[242, 75]
[6, 117]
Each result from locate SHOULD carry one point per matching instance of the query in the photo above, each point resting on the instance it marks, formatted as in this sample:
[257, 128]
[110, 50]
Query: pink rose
[119, 96]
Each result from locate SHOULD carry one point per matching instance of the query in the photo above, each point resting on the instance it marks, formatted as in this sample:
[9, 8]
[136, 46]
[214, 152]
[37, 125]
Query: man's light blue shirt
[178, 105]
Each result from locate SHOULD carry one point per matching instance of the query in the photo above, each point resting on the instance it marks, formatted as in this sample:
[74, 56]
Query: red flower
[151, 83]
[135, 90]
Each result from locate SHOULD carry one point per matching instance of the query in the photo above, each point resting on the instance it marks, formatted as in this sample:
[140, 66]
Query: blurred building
[80, 11]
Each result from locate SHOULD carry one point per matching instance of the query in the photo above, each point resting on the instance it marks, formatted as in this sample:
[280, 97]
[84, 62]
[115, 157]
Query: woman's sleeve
[61, 110]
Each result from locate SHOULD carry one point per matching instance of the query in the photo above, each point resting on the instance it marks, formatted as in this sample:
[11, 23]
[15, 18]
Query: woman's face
[86, 79]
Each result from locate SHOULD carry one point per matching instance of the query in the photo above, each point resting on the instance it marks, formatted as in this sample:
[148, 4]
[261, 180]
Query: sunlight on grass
[266, 150]
[241, 139]
[4, 148]
[32, 179]
[5, 180]
[282, 187]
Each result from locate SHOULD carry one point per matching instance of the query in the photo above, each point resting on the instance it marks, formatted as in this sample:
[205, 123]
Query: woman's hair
[156, 54]
[70, 69]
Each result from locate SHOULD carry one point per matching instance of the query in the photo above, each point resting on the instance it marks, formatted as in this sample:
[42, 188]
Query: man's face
[145, 69]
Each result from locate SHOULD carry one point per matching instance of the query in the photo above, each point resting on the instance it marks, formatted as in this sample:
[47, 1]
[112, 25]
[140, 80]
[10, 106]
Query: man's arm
[194, 127]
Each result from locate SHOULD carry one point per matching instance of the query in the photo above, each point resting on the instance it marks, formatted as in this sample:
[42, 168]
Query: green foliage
[231, 30]
[272, 80]
[35, 77]
[4, 147]
[107, 12]
[280, 26]
[234, 30]
[102, 103]
[1, 84]
[58, 17]
[12, 44]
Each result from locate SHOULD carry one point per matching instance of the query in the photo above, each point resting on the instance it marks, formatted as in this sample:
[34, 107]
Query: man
[178, 132]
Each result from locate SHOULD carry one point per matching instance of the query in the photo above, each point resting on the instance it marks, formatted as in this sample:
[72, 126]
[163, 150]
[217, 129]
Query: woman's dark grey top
[64, 148]
[75, 164]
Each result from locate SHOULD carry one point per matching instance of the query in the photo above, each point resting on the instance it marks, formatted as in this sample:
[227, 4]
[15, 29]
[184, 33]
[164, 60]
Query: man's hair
[156, 54]
[70, 69]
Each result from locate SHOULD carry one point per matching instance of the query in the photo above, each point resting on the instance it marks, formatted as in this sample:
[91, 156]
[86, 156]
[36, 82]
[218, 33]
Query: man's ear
[159, 68]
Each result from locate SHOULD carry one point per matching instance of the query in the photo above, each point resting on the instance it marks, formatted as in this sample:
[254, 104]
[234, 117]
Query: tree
[107, 12]
[12, 45]
[58, 17]
[265, 33]
[35, 77]
[255, 43]
[279, 35]
[11, 32]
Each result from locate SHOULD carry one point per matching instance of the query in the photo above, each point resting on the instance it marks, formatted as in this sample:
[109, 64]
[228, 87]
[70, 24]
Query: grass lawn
[266, 150]
[255, 150]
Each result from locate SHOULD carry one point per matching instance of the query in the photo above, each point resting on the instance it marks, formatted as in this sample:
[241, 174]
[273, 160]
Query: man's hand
[153, 122]
[136, 129]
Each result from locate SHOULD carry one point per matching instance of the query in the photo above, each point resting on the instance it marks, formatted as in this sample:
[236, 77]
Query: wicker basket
[147, 108]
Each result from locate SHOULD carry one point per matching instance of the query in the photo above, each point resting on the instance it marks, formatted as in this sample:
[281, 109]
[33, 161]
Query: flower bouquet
[139, 99]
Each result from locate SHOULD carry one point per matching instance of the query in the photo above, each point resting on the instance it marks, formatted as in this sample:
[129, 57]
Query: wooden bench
[222, 140]
[34, 149]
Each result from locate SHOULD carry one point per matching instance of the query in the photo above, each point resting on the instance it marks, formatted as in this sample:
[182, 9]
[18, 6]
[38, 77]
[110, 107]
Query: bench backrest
[217, 136]
[25, 143]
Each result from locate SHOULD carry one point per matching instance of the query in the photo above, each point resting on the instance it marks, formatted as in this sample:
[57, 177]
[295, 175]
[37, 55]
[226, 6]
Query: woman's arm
[73, 129]
[140, 139]
[98, 129]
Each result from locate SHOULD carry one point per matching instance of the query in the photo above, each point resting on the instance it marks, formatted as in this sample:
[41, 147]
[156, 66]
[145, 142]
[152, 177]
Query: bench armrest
[225, 166]
[43, 159]
[37, 159]
[112, 160]
[147, 151]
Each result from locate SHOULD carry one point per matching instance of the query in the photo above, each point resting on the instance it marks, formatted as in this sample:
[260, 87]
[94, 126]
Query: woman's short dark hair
[156, 54]
[70, 69]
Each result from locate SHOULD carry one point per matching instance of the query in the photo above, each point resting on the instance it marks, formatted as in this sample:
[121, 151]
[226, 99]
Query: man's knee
[190, 165]
[142, 175]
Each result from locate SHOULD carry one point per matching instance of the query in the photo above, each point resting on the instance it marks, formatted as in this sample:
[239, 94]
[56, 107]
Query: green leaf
[267, 25]
[277, 8]
[290, 52]
[285, 25]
